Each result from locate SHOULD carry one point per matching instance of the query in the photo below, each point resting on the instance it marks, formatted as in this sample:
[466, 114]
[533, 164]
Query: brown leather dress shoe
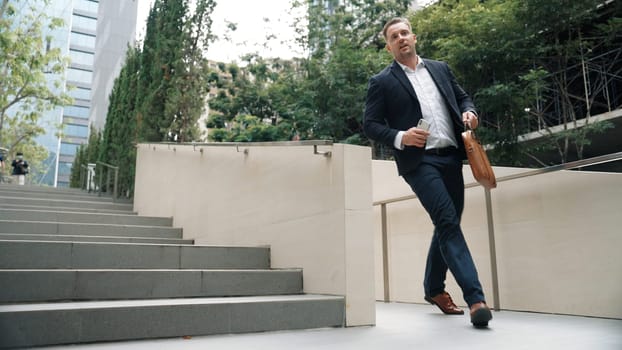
[444, 302]
[480, 314]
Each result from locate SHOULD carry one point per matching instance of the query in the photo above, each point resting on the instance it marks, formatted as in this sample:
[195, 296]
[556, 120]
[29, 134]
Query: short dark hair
[393, 21]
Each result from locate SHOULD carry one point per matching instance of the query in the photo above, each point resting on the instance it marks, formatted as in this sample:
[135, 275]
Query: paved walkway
[414, 326]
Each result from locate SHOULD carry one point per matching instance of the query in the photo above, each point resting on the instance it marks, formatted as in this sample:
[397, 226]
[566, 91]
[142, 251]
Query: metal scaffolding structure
[590, 87]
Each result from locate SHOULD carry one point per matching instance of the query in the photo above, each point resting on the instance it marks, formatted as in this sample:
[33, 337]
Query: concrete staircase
[78, 268]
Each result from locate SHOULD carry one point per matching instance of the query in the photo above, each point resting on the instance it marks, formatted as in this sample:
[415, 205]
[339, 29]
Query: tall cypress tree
[189, 86]
[76, 169]
[86, 154]
[161, 50]
[161, 89]
[118, 145]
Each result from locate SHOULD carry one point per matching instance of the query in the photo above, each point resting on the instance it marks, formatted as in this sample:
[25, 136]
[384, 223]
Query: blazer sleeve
[375, 126]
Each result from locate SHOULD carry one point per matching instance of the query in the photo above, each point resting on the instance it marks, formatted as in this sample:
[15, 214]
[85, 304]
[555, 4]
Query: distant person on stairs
[20, 168]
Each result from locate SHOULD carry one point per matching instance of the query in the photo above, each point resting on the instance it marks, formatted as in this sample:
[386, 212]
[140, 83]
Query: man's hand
[415, 137]
[469, 118]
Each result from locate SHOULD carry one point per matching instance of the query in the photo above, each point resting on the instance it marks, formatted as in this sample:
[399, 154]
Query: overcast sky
[255, 20]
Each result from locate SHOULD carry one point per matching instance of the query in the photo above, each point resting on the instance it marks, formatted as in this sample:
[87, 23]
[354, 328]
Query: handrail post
[114, 192]
[99, 188]
[116, 182]
[385, 253]
[107, 181]
[493, 250]
[87, 176]
[82, 176]
[491, 230]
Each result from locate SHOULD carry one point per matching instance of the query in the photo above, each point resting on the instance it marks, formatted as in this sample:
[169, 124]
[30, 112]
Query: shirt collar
[420, 63]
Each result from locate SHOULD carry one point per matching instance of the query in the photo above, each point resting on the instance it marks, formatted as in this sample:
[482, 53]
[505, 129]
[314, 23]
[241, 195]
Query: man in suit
[430, 161]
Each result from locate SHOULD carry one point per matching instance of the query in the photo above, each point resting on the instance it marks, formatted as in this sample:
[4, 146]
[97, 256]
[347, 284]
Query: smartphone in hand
[423, 124]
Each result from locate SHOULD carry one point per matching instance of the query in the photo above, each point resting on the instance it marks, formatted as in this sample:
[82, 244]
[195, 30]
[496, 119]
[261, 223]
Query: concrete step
[111, 239]
[64, 228]
[59, 195]
[85, 255]
[20, 286]
[53, 203]
[43, 189]
[79, 322]
[133, 277]
[8, 205]
[78, 217]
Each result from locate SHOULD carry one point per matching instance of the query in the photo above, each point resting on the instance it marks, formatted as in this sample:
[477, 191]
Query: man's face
[401, 41]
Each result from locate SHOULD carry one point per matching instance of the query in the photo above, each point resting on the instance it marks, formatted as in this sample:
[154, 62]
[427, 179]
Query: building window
[68, 149]
[80, 57]
[84, 22]
[80, 39]
[76, 130]
[76, 121]
[64, 168]
[76, 111]
[79, 75]
[80, 93]
[85, 5]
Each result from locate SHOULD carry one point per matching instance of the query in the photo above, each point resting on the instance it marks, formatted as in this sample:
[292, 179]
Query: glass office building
[76, 39]
[95, 37]
[82, 37]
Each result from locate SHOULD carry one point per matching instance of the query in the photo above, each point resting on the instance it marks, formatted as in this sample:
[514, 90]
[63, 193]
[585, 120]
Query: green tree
[116, 144]
[484, 45]
[77, 171]
[515, 58]
[162, 50]
[255, 104]
[86, 153]
[243, 98]
[564, 39]
[292, 103]
[120, 133]
[321, 97]
[346, 49]
[249, 128]
[31, 74]
[189, 87]
[159, 93]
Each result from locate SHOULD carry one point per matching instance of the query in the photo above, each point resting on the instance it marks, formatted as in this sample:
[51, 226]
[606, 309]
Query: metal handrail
[267, 143]
[100, 177]
[565, 166]
[491, 233]
[245, 145]
[84, 175]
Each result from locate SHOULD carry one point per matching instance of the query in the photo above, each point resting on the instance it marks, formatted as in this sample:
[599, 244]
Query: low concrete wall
[314, 212]
[558, 241]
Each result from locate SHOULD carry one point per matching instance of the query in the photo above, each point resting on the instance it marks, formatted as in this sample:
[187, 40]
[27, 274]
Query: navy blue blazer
[392, 105]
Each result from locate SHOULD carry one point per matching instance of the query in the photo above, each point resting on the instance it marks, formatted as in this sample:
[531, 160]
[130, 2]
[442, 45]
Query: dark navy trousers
[439, 185]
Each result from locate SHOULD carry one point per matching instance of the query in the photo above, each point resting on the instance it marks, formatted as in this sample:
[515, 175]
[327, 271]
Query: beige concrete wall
[558, 241]
[314, 212]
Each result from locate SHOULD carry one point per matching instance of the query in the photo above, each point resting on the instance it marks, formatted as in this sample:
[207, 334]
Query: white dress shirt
[433, 109]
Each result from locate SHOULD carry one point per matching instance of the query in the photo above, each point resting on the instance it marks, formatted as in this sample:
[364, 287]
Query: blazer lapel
[442, 83]
[438, 77]
[399, 74]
